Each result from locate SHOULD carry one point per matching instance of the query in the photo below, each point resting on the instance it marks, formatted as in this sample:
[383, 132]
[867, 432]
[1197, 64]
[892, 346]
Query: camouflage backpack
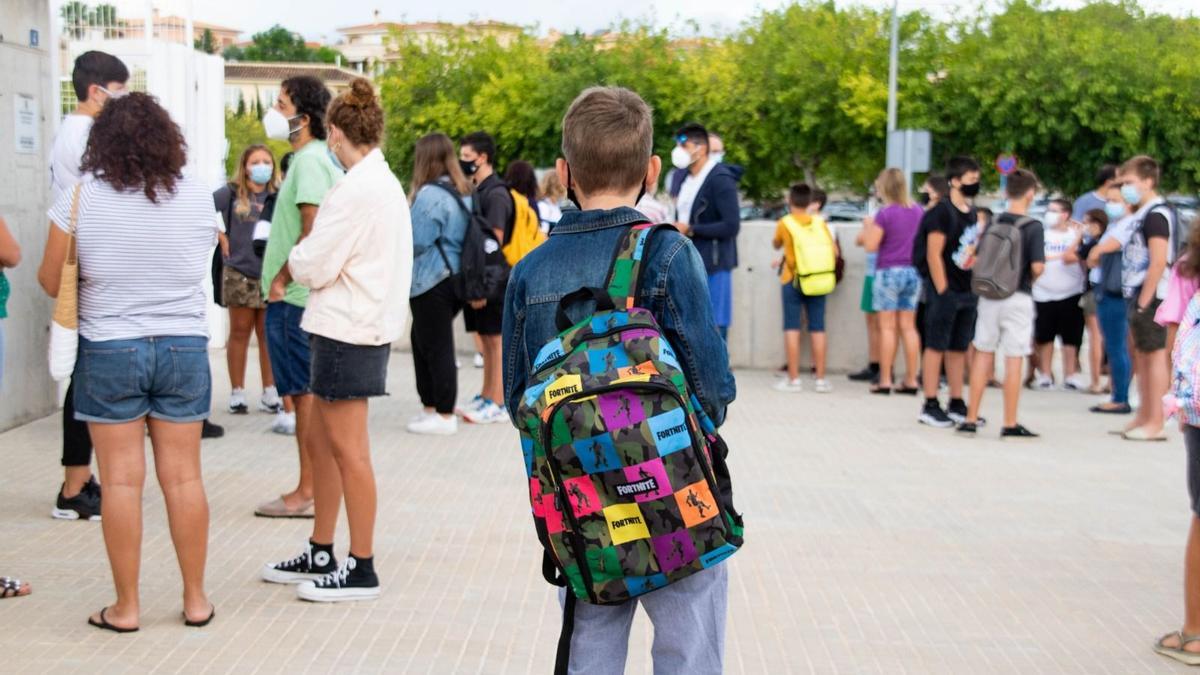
[619, 454]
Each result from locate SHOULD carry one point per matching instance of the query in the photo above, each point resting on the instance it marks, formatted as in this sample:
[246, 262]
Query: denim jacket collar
[597, 219]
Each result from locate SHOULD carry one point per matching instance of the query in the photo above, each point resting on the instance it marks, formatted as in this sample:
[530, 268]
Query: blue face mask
[333, 158]
[1131, 195]
[261, 173]
[1114, 210]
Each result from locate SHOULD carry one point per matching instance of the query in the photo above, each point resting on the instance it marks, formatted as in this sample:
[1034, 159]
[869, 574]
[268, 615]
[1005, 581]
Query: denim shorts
[166, 378]
[897, 289]
[287, 344]
[795, 303]
[342, 371]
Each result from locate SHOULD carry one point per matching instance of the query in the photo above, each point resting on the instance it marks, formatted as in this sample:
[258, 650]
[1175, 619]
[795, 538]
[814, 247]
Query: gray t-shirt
[142, 265]
[240, 230]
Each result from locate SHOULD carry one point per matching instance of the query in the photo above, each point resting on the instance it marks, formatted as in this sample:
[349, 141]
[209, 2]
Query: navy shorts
[342, 371]
[166, 378]
[795, 303]
[287, 343]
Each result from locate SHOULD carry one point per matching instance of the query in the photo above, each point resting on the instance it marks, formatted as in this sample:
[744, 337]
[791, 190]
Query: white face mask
[277, 126]
[1053, 218]
[717, 157]
[681, 158]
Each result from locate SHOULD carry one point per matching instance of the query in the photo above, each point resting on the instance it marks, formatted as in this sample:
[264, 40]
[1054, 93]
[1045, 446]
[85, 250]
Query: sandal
[105, 625]
[882, 391]
[1119, 409]
[1179, 653]
[203, 622]
[11, 587]
[908, 391]
[1140, 434]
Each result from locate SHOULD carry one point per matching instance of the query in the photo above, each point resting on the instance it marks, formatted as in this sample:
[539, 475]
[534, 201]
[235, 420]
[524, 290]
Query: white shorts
[1005, 327]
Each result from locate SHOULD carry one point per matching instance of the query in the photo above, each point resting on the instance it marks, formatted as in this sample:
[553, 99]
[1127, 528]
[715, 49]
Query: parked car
[1187, 207]
[845, 211]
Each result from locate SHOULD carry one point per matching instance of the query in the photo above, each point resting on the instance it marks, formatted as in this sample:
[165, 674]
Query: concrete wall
[756, 338]
[25, 71]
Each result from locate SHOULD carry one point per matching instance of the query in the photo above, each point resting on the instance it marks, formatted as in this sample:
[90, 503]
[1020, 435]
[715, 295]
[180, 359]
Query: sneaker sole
[71, 514]
[299, 516]
[432, 433]
[929, 421]
[283, 432]
[274, 576]
[312, 594]
[242, 410]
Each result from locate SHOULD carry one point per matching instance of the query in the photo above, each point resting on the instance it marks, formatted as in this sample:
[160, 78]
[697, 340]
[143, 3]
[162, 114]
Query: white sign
[27, 123]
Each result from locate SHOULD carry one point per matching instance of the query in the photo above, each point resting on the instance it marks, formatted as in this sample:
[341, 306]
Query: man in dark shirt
[476, 154]
[941, 253]
[1005, 326]
[1147, 244]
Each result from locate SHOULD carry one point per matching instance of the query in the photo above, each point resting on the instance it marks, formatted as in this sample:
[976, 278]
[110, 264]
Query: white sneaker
[285, 423]
[488, 413]
[789, 386]
[472, 407]
[1077, 382]
[478, 360]
[1042, 381]
[433, 424]
[270, 401]
[237, 402]
[823, 387]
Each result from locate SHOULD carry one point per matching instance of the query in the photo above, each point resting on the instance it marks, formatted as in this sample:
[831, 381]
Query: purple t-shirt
[900, 225]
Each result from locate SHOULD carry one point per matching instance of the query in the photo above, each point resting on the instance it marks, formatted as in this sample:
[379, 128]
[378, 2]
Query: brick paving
[873, 546]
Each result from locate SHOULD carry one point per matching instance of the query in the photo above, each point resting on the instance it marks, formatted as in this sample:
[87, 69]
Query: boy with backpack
[1009, 257]
[618, 409]
[807, 274]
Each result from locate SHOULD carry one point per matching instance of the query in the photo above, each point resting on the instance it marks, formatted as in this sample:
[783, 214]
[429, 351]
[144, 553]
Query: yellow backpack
[816, 261]
[526, 231]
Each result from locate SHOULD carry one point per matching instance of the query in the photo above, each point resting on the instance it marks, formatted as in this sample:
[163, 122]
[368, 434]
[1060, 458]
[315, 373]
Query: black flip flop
[1121, 410]
[203, 622]
[882, 391]
[105, 625]
[908, 391]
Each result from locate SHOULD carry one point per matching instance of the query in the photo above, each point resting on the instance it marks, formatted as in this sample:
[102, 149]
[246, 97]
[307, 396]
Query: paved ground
[873, 545]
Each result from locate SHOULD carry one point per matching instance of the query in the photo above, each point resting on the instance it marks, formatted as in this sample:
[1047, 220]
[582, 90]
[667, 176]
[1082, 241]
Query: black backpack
[483, 274]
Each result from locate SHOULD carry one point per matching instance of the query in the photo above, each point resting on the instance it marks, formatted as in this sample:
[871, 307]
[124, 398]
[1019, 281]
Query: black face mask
[969, 190]
[468, 168]
[923, 198]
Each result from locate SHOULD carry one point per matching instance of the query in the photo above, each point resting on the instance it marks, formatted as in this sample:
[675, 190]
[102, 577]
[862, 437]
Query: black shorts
[1191, 439]
[1059, 319]
[486, 321]
[949, 319]
[342, 371]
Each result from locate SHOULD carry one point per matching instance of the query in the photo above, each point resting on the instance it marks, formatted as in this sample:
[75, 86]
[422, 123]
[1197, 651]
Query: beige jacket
[357, 260]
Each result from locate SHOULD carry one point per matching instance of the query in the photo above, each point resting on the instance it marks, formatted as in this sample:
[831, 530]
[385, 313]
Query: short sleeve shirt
[960, 229]
[309, 177]
[142, 265]
[67, 153]
[1135, 233]
[1060, 280]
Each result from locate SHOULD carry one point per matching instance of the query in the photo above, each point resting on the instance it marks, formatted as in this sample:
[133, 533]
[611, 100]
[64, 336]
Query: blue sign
[33, 37]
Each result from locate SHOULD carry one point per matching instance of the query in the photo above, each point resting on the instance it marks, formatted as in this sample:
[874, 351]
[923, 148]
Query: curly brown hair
[135, 145]
[357, 113]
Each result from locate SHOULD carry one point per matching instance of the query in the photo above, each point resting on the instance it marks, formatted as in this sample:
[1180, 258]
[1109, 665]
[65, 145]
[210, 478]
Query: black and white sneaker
[83, 506]
[314, 562]
[967, 429]
[1017, 432]
[933, 415]
[957, 411]
[354, 580]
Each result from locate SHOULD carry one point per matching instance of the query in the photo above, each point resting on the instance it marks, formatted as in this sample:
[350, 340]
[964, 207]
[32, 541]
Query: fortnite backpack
[999, 260]
[623, 463]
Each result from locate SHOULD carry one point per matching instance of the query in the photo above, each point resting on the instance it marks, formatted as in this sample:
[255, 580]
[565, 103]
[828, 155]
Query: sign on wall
[27, 123]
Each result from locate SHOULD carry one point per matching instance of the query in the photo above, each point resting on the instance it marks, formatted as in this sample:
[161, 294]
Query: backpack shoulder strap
[454, 193]
[624, 277]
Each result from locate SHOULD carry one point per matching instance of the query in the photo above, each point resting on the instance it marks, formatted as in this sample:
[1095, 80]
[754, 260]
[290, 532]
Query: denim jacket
[434, 215]
[674, 288]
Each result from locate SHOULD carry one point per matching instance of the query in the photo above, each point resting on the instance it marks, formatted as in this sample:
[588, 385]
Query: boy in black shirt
[1005, 326]
[941, 253]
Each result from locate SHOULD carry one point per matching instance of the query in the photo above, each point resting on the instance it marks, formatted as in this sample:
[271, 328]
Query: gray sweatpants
[689, 628]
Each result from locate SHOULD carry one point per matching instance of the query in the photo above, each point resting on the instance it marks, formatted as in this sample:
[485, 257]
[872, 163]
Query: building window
[267, 96]
[137, 82]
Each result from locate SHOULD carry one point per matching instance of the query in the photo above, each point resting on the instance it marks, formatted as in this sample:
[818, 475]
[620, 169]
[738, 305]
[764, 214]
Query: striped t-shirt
[142, 265]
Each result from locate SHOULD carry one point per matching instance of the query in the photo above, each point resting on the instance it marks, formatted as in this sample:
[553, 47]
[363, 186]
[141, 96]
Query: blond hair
[241, 179]
[607, 139]
[893, 187]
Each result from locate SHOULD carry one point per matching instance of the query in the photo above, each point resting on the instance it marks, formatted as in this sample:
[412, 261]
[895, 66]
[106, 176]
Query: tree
[279, 44]
[206, 42]
[76, 17]
[242, 131]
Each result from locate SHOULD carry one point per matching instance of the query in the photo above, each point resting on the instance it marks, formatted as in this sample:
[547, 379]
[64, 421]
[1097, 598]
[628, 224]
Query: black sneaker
[83, 506]
[314, 562]
[933, 415]
[354, 580]
[966, 429]
[211, 430]
[1018, 431]
[863, 375]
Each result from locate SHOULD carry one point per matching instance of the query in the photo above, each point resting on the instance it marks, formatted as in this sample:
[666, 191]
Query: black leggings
[77, 442]
[433, 315]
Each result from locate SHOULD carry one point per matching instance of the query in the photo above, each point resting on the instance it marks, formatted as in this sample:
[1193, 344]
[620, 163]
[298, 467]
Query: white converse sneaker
[434, 424]
[1042, 381]
[237, 402]
[789, 386]
[823, 387]
[270, 401]
[285, 423]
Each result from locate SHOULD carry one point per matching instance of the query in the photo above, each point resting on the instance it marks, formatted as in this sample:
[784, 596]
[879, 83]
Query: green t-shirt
[309, 177]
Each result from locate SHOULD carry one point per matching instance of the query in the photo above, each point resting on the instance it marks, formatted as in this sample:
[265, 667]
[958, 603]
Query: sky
[319, 19]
